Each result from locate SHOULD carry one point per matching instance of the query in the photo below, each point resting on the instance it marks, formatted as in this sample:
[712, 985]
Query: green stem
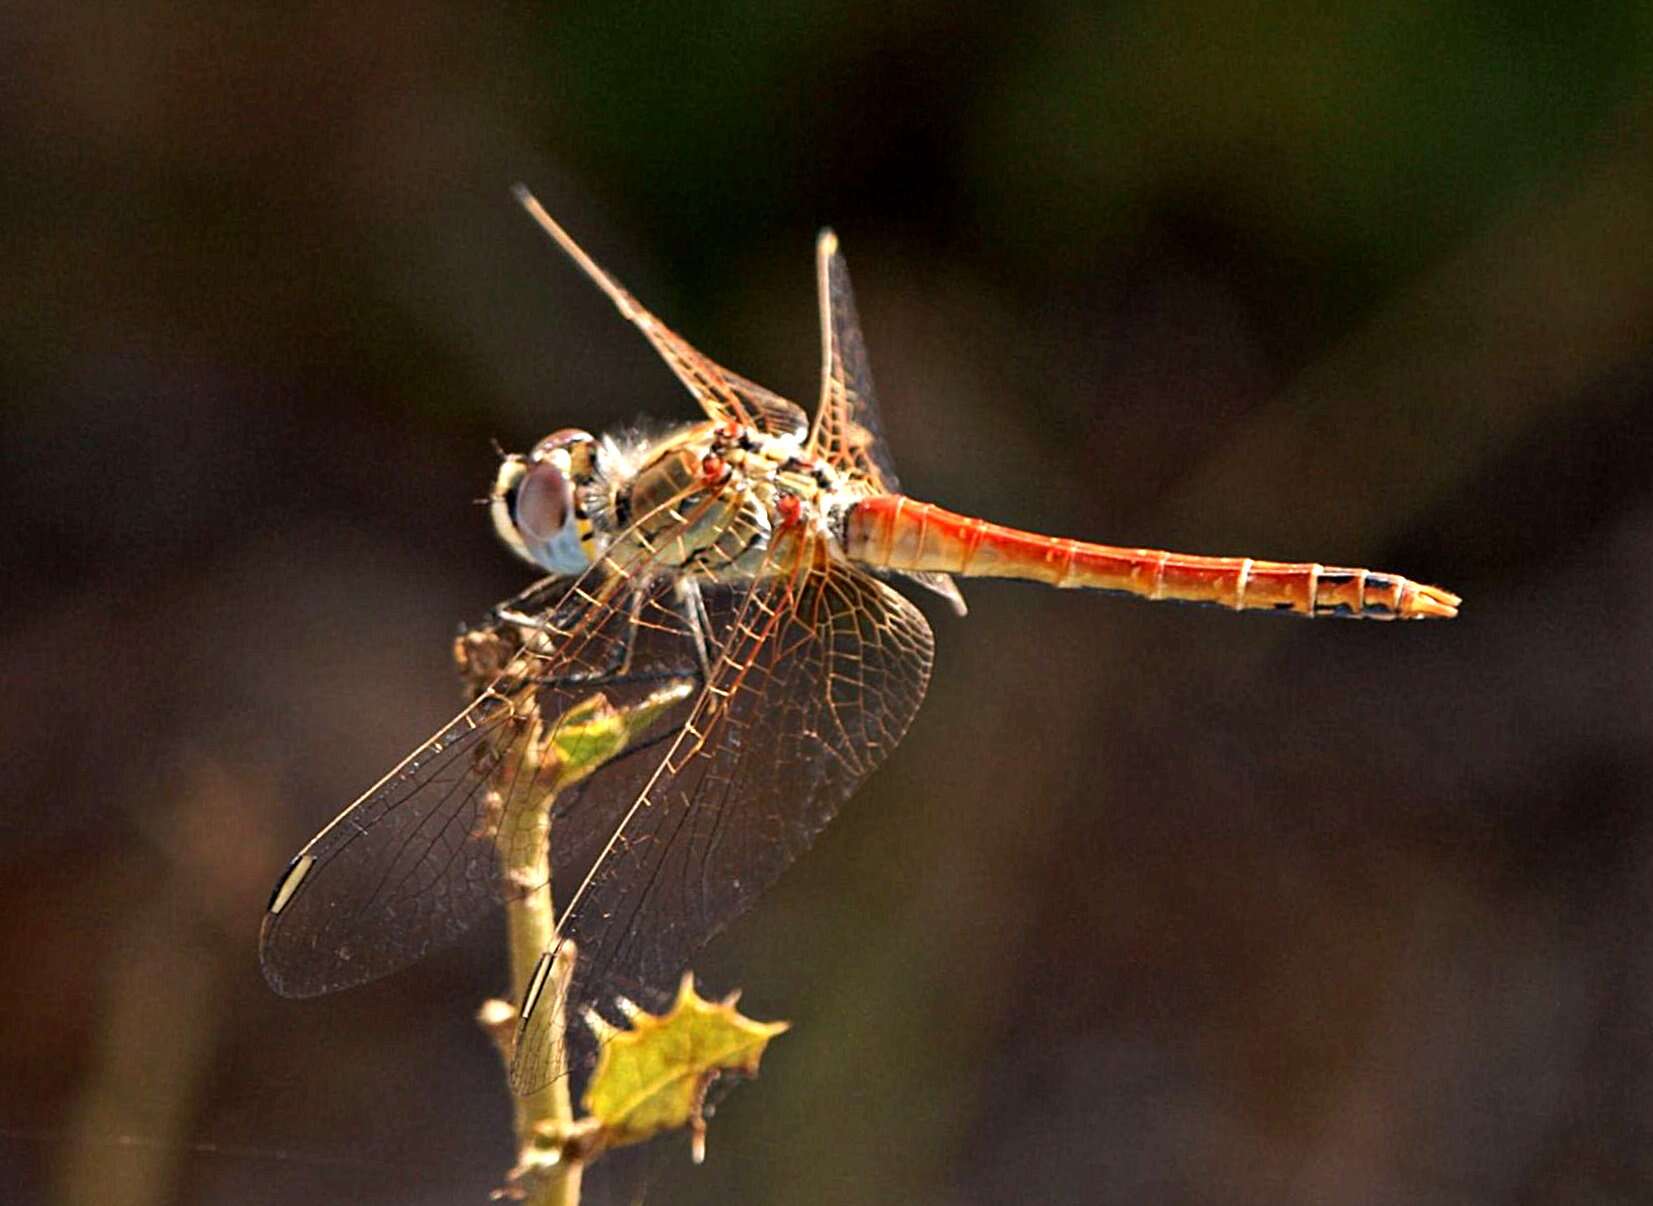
[577, 744]
[530, 926]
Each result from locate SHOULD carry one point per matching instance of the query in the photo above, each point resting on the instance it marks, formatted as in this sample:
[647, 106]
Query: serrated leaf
[653, 1077]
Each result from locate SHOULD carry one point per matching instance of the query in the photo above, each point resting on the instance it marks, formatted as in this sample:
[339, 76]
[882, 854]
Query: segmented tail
[891, 531]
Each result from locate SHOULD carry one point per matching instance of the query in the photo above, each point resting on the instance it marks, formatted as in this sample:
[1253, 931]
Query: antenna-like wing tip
[519, 190]
[826, 243]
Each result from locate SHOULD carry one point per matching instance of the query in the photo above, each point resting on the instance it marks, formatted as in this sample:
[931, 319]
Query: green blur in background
[1153, 904]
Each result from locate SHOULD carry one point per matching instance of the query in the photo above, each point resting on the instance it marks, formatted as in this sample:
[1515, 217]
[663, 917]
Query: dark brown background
[1154, 904]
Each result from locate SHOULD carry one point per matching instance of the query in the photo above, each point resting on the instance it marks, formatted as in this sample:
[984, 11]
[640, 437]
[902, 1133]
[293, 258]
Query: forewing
[415, 860]
[721, 393]
[816, 677]
[402, 871]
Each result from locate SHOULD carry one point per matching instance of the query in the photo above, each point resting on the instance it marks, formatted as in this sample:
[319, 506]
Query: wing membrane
[847, 430]
[414, 861]
[818, 675]
[414, 838]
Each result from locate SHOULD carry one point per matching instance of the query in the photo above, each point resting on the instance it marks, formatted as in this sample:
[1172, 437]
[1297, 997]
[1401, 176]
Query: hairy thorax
[719, 501]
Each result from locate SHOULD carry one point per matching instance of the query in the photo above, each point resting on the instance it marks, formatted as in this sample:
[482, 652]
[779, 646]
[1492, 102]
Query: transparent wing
[847, 430]
[415, 861]
[721, 393]
[817, 676]
[779, 416]
[848, 433]
[407, 851]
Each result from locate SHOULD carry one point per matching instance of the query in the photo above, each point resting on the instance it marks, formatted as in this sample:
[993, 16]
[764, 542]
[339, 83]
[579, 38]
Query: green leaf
[594, 731]
[654, 1077]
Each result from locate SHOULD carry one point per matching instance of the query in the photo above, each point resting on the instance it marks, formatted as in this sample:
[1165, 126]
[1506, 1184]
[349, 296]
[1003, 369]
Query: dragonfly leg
[523, 610]
[694, 613]
[516, 637]
[634, 617]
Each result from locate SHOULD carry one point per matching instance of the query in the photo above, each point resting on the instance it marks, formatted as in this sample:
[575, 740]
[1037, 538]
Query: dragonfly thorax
[714, 500]
[705, 498]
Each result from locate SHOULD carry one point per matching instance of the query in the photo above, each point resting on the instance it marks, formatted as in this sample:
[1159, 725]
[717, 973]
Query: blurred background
[1154, 904]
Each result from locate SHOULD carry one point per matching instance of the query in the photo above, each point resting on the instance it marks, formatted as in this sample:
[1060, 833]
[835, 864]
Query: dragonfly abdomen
[891, 531]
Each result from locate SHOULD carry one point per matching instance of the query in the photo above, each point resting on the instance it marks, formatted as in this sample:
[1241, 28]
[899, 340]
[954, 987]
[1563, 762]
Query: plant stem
[547, 759]
[523, 845]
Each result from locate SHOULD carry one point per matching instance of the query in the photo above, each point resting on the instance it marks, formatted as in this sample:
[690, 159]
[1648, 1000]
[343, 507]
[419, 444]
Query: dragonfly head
[535, 502]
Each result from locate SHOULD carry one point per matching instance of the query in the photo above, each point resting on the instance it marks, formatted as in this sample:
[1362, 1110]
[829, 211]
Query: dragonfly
[747, 560]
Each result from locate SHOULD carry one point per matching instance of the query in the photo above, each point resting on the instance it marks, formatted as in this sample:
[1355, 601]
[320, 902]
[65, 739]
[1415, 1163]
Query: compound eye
[545, 501]
[565, 438]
